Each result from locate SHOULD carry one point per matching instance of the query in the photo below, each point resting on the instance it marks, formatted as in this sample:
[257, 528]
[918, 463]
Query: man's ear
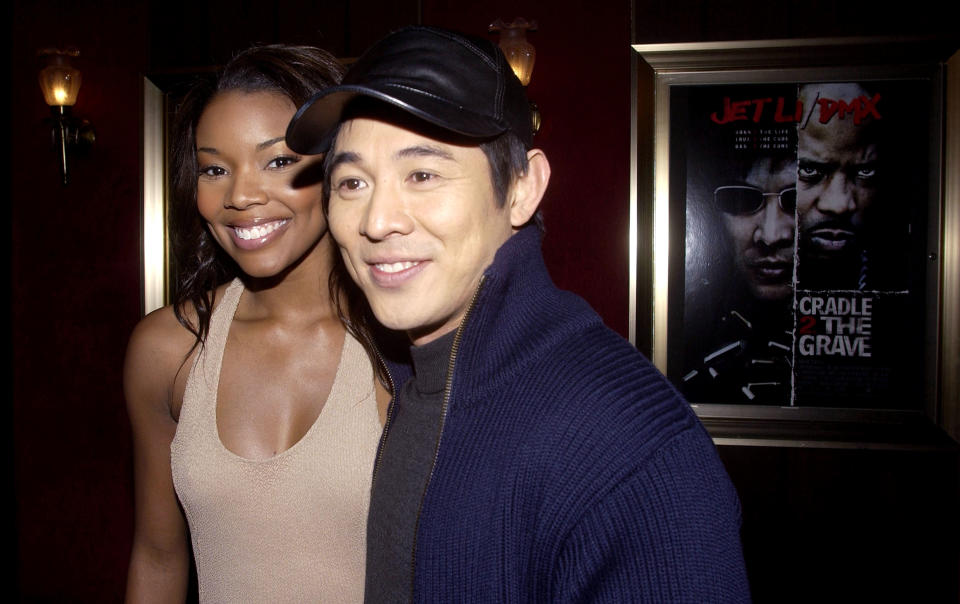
[528, 190]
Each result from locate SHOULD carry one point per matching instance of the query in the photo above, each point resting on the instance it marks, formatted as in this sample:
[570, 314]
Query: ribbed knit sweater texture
[568, 469]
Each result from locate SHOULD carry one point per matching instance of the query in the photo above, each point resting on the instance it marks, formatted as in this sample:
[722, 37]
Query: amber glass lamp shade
[60, 83]
[519, 52]
[59, 79]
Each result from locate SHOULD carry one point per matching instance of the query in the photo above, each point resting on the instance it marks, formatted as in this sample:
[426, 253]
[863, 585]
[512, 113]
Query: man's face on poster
[758, 217]
[836, 177]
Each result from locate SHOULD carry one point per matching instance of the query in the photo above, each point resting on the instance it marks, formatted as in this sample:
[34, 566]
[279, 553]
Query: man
[758, 217]
[532, 455]
[838, 184]
[746, 357]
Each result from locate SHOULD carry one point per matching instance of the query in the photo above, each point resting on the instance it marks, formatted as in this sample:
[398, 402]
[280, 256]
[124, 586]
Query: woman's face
[261, 201]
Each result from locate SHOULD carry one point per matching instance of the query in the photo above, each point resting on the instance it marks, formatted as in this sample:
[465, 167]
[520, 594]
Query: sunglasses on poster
[740, 199]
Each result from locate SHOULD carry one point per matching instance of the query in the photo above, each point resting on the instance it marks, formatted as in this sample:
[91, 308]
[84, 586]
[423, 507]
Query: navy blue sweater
[568, 468]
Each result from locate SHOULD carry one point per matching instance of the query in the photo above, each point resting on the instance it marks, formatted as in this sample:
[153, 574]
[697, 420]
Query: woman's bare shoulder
[160, 351]
[160, 333]
[157, 350]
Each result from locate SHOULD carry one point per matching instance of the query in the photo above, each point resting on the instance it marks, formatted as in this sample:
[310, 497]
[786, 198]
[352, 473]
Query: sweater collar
[518, 316]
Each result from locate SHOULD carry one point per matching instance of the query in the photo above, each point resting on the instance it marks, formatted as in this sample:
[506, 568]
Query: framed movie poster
[796, 233]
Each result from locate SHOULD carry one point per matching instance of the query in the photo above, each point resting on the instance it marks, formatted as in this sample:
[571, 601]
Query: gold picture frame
[658, 69]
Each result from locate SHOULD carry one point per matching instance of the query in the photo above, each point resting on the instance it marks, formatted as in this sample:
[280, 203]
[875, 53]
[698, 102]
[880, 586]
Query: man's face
[759, 219]
[417, 222]
[836, 178]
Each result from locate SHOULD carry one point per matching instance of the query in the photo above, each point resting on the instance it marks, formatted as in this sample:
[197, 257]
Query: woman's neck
[299, 293]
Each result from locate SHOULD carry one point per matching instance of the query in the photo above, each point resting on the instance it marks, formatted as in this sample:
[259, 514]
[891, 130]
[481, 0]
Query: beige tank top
[291, 528]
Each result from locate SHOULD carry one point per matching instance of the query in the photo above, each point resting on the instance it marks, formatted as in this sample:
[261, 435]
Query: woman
[255, 413]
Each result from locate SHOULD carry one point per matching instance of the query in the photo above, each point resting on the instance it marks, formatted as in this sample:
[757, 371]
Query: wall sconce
[60, 83]
[520, 53]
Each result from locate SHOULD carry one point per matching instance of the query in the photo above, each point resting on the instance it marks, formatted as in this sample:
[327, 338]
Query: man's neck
[431, 362]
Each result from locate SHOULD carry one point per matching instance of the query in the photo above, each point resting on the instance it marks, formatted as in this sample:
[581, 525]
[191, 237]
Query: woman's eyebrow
[260, 146]
[270, 143]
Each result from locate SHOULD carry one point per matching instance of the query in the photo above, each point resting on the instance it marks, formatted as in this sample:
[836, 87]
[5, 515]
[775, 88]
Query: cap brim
[311, 129]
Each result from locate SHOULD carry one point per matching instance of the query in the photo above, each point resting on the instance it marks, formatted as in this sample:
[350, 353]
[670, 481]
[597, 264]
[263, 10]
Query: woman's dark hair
[297, 72]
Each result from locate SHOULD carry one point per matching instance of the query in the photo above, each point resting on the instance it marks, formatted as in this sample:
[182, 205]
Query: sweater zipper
[386, 421]
[443, 419]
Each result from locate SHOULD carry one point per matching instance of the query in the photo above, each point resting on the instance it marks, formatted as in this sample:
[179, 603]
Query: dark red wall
[74, 273]
[581, 83]
[74, 268]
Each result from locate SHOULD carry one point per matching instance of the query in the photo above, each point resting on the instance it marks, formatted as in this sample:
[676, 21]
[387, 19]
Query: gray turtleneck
[402, 473]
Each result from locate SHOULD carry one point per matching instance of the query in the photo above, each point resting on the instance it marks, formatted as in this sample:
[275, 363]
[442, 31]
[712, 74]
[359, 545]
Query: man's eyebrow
[352, 157]
[423, 151]
[343, 157]
[806, 161]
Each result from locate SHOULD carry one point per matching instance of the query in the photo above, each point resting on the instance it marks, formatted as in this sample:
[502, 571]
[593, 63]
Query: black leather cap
[460, 84]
